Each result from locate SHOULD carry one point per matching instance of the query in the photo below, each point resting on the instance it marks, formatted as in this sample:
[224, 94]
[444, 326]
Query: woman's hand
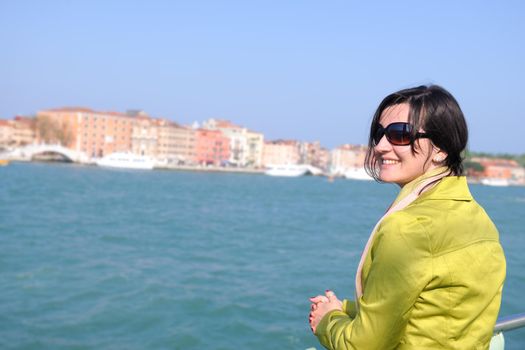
[321, 305]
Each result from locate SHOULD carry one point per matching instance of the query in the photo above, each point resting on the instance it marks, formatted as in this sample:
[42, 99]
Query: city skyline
[197, 124]
[296, 70]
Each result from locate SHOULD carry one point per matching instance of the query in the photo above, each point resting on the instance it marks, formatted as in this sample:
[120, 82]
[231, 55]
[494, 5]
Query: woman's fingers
[314, 316]
[330, 295]
[319, 299]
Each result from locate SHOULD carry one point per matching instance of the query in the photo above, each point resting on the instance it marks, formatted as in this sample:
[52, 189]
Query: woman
[432, 272]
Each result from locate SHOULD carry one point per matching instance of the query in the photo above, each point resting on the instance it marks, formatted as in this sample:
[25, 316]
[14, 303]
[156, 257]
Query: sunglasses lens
[398, 134]
[378, 134]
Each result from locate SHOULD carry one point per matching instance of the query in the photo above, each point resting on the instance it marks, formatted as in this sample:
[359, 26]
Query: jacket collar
[451, 187]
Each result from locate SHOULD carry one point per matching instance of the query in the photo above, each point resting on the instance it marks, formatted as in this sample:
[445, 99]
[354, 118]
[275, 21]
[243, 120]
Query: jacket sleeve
[399, 270]
[349, 308]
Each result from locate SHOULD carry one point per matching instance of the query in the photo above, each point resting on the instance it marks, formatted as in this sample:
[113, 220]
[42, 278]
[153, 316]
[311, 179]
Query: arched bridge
[30, 151]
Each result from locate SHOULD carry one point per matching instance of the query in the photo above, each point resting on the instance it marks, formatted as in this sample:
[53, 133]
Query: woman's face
[397, 164]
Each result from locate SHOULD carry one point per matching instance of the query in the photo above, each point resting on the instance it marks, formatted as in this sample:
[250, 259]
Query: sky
[304, 70]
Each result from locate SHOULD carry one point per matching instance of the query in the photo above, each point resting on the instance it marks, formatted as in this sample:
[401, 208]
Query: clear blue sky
[307, 70]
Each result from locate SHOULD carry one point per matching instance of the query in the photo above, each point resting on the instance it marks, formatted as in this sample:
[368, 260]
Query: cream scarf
[408, 194]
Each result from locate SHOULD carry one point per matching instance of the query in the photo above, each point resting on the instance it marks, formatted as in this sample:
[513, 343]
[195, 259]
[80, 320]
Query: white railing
[508, 323]
[504, 324]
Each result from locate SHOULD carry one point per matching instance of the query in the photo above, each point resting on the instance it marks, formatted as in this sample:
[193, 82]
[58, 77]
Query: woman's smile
[389, 161]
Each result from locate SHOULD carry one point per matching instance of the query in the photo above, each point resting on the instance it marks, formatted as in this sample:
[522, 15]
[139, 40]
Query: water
[99, 259]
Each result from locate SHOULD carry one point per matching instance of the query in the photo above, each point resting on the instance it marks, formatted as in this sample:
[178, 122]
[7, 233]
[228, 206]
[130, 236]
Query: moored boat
[289, 170]
[357, 174]
[490, 181]
[126, 161]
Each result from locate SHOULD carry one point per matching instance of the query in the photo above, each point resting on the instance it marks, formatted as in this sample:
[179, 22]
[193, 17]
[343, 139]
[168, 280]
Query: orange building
[81, 129]
[497, 168]
[281, 152]
[211, 147]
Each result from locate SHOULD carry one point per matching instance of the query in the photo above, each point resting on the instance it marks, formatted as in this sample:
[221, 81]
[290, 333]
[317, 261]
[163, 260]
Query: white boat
[290, 170]
[491, 181]
[126, 161]
[312, 170]
[357, 174]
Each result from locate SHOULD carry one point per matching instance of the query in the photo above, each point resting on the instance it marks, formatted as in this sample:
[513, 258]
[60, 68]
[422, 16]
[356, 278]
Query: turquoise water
[102, 259]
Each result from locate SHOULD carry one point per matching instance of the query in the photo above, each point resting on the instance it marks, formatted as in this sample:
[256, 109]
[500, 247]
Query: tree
[475, 166]
[45, 129]
[52, 131]
[65, 134]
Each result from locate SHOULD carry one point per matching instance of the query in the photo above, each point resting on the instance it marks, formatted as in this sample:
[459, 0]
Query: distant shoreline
[250, 171]
[192, 168]
[198, 168]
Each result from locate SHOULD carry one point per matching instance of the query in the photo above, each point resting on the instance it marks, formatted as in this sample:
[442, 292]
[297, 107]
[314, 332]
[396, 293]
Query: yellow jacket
[432, 279]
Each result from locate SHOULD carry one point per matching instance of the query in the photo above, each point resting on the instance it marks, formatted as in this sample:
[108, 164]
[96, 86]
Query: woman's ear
[438, 156]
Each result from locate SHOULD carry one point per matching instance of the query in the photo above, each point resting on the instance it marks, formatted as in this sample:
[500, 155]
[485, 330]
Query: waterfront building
[254, 150]
[347, 157]
[281, 152]
[211, 147]
[236, 136]
[6, 134]
[323, 159]
[17, 132]
[176, 143]
[246, 146]
[144, 136]
[95, 133]
[313, 154]
[24, 131]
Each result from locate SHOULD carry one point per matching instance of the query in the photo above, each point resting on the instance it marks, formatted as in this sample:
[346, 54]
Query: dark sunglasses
[398, 134]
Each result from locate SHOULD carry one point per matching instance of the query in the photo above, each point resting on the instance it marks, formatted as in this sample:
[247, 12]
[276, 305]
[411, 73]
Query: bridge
[30, 151]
